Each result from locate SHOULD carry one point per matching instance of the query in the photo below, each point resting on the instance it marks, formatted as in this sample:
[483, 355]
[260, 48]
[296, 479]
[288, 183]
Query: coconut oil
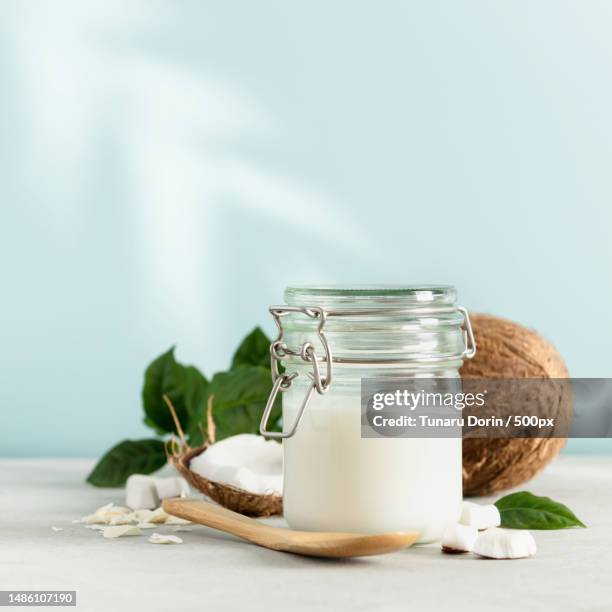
[335, 480]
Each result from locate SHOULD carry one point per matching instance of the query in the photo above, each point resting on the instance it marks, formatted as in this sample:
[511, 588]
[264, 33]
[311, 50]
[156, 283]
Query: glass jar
[329, 339]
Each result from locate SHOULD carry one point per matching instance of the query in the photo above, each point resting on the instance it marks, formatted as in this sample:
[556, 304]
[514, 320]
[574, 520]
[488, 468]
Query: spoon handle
[217, 517]
[311, 543]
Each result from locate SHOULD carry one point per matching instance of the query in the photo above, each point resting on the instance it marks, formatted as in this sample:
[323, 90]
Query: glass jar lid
[371, 296]
[379, 323]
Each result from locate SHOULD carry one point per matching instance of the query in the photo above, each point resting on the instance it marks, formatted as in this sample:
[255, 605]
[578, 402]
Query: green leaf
[164, 376]
[240, 396]
[127, 458]
[253, 350]
[525, 510]
[196, 397]
[195, 392]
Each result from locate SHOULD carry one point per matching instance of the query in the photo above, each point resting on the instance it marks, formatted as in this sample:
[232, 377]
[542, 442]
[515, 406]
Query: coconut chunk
[146, 525]
[140, 492]
[498, 543]
[246, 461]
[479, 516]
[158, 538]
[146, 492]
[54, 528]
[171, 487]
[118, 531]
[459, 538]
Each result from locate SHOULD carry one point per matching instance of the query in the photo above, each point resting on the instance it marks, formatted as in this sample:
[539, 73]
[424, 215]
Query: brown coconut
[508, 350]
[228, 496]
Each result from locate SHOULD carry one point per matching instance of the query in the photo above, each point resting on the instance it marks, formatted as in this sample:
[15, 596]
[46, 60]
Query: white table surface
[212, 571]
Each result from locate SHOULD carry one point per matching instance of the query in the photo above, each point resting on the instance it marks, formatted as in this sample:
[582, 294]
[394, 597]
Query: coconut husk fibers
[509, 350]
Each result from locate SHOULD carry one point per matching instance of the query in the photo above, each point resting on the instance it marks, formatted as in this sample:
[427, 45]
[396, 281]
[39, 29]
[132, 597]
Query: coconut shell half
[228, 496]
[508, 350]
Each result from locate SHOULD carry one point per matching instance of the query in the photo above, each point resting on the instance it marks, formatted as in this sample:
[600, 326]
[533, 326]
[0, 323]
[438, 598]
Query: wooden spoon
[311, 543]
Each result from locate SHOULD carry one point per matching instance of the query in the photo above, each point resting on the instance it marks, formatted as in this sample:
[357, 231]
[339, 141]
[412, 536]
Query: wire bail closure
[468, 332]
[282, 381]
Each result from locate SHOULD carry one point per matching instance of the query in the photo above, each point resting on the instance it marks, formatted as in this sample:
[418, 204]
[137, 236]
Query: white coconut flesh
[246, 461]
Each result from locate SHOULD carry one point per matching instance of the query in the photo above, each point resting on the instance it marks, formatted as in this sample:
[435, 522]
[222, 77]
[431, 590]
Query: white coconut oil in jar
[335, 480]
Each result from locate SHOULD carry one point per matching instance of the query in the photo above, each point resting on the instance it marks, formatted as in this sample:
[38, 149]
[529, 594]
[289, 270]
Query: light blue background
[166, 168]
